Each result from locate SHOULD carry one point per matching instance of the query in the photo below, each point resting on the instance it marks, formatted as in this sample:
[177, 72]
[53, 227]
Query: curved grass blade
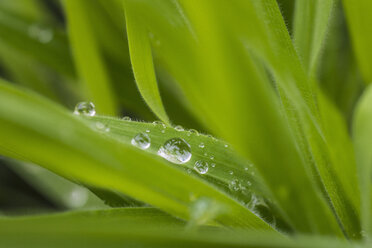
[102, 162]
[88, 57]
[138, 227]
[141, 58]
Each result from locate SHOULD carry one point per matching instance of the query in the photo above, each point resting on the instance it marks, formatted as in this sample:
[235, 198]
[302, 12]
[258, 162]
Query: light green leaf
[141, 58]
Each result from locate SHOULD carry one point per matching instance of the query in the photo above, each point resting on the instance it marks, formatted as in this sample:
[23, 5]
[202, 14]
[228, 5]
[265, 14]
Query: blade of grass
[359, 21]
[362, 130]
[139, 227]
[311, 22]
[88, 57]
[141, 58]
[98, 161]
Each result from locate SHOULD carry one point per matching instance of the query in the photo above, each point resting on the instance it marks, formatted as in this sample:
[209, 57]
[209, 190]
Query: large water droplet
[85, 108]
[176, 150]
[141, 140]
[201, 166]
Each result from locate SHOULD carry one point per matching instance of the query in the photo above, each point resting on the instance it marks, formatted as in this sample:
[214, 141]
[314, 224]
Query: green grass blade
[362, 130]
[99, 161]
[137, 227]
[141, 58]
[310, 27]
[88, 58]
[359, 22]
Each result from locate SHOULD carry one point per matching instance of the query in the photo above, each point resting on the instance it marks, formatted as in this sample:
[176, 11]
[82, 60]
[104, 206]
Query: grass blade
[141, 58]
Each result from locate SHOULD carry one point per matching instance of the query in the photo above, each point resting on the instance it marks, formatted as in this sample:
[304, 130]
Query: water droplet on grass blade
[201, 166]
[201, 145]
[85, 108]
[102, 127]
[43, 35]
[142, 141]
[126, 118]
[176, 150]
[179, 128]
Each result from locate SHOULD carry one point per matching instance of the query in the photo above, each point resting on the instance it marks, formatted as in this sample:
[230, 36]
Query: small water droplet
[162, 131]
[201, 166]
[226, 145]
[246, 168]
[142, 141]
[43, 35]
[212, 157]
[231, 172]
[85, 108]
[234, 185]
[193, 131]
[176, 150]
[213, 165]
[157, 123]
[126, 118]
[201, 145]
[102, 127]
[189, 171]
[179, 128]
[147, 131]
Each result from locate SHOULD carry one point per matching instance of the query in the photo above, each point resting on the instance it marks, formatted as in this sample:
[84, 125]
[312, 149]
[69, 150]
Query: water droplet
[147, 131]
[213, 165]
[201, 145]
[142, 141]
[201, 166]
[246, 168]
[189, 171]
[156, 123]
[193, 131]
[205, 154]
[211, 136]
[85, 108]
[126, 118]
[231, 172]
[212, 157]
[179, 128]
[234, 185]
[102, 127]
[226, 145]
[43, 35]
[176, 150]
[162, 131]
[77, 197]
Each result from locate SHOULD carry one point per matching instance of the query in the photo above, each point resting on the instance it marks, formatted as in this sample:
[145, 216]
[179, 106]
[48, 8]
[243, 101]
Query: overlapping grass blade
[102, 162]
[141, 58]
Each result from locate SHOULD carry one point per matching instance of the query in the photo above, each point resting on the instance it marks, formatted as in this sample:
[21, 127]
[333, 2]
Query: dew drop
[226, 145]
[246, 168]
[231, 172]
[179, 128]
[147, 130]
[162, 131]
[234, 185]
[201, 145]
[85, 108]
[212, 157]
[193, 131]
[126, 118]
[102, 127]
[205, 154]
[201, 166]
[213, 165]
[176, 150]
[142, 141]
[156, 123]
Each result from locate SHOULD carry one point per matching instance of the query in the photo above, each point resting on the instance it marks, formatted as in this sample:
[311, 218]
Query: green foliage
[289, 161]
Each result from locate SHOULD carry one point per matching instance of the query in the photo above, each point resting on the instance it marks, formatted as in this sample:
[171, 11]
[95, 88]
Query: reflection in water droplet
[201, 145]
[142, 141]
[176, 150]
[85, 108]
[201, 166]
